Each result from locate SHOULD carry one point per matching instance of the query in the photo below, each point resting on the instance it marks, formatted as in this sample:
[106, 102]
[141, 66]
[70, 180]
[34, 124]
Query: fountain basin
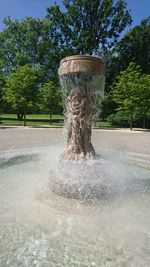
[40, 228]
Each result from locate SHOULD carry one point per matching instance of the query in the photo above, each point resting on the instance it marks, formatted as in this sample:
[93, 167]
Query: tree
[22, 88]
[50, 98]
[2, 83]
[33, 42]
[134, 46]
[126, 91]
[143, 98]
[19, 42]
[89, 26]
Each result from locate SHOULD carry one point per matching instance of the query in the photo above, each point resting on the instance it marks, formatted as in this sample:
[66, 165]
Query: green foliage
[143, 94]
[2, 83]
[143, 97]
[135, 46]
[21, 88]
[33, 42]
[125, 87]
[131, 91]
[50, 98]
[19, 42]
[125, 90]
[89, 26]
[121, 119]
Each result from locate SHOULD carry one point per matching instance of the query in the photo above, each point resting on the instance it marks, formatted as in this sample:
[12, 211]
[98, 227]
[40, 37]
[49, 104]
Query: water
[90, 84]
[82, 95]
[42, 229]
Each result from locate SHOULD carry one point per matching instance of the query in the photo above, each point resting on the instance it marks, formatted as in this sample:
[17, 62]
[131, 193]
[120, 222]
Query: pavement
[137, 141]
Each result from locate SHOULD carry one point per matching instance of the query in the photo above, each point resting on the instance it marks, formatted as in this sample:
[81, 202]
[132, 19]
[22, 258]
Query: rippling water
[39, 228]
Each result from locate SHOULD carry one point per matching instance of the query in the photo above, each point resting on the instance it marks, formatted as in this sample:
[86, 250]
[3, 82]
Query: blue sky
[37, 8]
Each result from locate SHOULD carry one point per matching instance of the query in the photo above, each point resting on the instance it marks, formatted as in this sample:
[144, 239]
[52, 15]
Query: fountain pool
[41, 229]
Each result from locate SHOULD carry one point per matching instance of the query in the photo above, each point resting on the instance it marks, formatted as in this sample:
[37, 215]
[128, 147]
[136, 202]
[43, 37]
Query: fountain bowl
[81, 63]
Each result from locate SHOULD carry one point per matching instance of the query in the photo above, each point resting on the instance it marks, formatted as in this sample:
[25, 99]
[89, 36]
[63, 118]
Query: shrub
[121, 119]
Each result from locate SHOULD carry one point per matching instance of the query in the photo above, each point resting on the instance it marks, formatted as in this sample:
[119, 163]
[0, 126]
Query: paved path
[124, 140]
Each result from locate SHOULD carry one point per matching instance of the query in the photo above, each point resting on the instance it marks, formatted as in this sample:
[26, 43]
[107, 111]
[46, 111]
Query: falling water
[83, 87]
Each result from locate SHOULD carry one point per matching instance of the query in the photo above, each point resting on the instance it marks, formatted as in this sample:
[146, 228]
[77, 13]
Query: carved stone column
[81, 78]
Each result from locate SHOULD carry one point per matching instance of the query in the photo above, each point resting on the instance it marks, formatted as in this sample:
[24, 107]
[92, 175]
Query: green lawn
[32, 120]
[34, 116]
[43, 120]
[102, 124]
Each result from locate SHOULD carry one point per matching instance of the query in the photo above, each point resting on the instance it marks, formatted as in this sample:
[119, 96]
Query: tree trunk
[144, 122]
[50, 117]
[24, 119]
[19, 116]
[131, 120]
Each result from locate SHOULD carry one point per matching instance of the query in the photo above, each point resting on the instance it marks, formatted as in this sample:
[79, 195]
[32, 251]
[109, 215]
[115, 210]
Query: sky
[19, 9]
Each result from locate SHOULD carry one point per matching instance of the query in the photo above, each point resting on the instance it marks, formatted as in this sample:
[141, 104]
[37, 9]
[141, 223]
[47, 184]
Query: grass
[34, 116]
[43, 120]
[32, 120]
[101, 124]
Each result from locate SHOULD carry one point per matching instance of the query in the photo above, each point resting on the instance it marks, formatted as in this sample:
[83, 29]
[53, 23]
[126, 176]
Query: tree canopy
[131, 91]
[135, 47]
[33, 42]
[89, 26]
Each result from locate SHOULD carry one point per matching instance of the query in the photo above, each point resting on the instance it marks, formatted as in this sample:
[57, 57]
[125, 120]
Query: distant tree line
[31, 50]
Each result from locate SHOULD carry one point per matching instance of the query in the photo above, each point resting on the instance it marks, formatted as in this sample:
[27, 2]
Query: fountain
[82, 81]
[106, 220]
